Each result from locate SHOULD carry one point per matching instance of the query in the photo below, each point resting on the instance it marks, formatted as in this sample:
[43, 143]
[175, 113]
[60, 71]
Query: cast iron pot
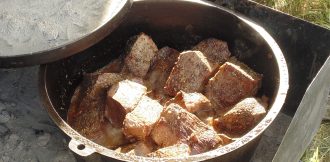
[179, 24]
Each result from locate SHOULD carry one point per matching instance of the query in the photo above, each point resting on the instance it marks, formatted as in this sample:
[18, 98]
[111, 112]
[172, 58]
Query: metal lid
[42, 31]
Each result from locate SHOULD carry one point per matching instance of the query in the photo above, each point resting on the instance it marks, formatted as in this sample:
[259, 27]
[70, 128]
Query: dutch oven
[179, 24]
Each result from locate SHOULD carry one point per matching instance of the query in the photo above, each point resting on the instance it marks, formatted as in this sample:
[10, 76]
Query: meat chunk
[233, 82]
[87, 107]
[195, 103]
[162, 66]
[104, 81]
[192, 102]
[159, 71]
[114, 66]
[161, 133]
[126, 148]
[141, 51]
[206, 115]
[130, 76]
[140, 148]
[87, 104]
[95, 85]
[159, 96]
[185, 127]
[143, 148]
[189, 74]
[87, 121]
[141, 120]
[204, 141]
[111, 137]
[226, 140]
[215, 50]
[178, 150]
[242, 117]
[114, 112]
[122, 98]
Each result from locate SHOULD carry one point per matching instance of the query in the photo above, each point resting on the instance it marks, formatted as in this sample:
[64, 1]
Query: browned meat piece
[195, 103]
[192, 102]
[141, 148]
[161, 133]
[89, 97]
[178, 150]
[104, 81]
[130, 76]
[233, 82]
[159, 71]
[206, 116]
[87, 108]
[126, 148]
[114, 112]
[141, 51]
[226, 140]
[161, 68]
[88, 122]
[184, 127]
[242, 117]
[159, 96]
[216, 51]
[111, 137]
[189, 74]
[114, 66]
[122, 98]
[141, 120]
[204, 141]
[75, 103]
[93, 85]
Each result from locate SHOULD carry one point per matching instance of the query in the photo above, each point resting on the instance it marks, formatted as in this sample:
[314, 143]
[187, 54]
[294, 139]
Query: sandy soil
[26, 131]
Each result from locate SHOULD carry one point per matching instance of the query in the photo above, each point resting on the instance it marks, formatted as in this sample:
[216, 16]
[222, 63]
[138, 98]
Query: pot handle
[80, 149]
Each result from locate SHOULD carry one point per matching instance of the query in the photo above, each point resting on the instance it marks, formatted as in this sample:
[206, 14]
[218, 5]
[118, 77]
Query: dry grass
[319, 149]
[316, 11]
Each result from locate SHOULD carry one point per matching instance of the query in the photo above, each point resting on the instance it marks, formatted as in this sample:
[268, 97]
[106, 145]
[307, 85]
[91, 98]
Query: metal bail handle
[80, 149]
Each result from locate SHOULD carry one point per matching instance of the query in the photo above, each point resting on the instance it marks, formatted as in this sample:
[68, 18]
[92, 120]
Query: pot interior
[177, 24]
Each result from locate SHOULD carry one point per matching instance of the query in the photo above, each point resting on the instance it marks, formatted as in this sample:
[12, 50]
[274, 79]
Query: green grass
[315, 11]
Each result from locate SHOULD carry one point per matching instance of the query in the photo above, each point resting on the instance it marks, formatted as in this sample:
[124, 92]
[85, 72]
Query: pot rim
[91, 147]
